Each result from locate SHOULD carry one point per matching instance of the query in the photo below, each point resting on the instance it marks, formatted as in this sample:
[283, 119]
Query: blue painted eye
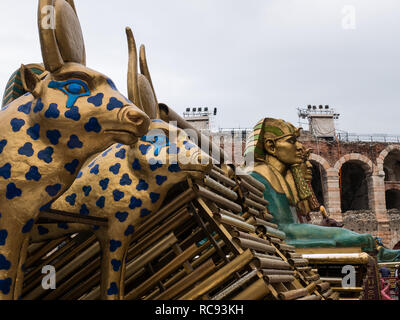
[73, 88]
[159, 142]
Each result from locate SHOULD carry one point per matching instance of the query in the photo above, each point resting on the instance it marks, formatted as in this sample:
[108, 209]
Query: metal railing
[352, 137]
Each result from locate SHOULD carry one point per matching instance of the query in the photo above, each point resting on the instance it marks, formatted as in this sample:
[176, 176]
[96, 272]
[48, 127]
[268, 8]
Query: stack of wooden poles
[212, 239]
[330, 267]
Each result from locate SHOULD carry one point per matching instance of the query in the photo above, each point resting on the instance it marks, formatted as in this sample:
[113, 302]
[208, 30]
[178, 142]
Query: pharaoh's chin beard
[304, 188]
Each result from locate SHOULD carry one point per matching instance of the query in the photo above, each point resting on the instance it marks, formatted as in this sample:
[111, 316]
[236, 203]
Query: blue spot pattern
[17, 124]
[113, 289]
[84, 210]
[114, 245]
[118, 195]
[92, 125]
[130, 230]
[46, 154]
[71, 199]
[173, 149]
[95, 169]
[160, 179]
[53, 136]
[121, 216]
[174, 168]
[25, 108]
[125, 180]
[74, 142]
[135, 203]
[33, 174]
[42, 230]
[154, 165]
[34, 132]
[52, 111]
[5, 285]
[39, 106]
[62, 225]
[121, 154]
[104, 183]
[114, 104]
[96, 100]
[142, 185]
[28, 226]
[73, 113]
[13, 191]
[4, 263]
[144, 212]
[86, 190]
[154, 197]
[101, 202]
[53, 190]
[3, 237]
[72, 166]
[116, 264]
[144, 148]
[45, 207]
[3, 143]
[136, 165]
[115, 168]
[79, 174]
[26, 150]
[5, 171]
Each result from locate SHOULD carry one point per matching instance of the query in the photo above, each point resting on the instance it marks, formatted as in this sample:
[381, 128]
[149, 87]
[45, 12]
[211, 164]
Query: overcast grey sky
[251, 59]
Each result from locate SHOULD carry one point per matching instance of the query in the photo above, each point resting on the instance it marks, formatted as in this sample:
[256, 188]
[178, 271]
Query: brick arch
[381, 158]
[368, 167]
[365, 162]
[392, 187]
[320, 160]
[323, 168]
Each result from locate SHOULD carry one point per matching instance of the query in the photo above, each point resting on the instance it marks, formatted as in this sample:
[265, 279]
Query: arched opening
[318, 181]
[386, 174]
[392, 199]
[354, 187]
[391, 166]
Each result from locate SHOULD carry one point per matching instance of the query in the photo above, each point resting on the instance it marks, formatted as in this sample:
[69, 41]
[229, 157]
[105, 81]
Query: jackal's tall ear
[60, 34]
[30, 81]
[146, 86]
[133, 86]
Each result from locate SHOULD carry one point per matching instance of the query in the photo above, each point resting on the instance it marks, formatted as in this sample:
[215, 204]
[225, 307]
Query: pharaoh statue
[307, 200]
[274, 157]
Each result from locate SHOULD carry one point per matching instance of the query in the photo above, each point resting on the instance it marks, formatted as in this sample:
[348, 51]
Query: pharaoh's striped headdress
[14, 88]
[265, 129]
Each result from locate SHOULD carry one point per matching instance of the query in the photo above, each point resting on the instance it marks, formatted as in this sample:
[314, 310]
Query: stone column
[332, 196]
[376, 195]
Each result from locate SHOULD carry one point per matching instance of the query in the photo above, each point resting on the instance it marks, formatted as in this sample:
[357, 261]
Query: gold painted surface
[328, 250]
[337, 258]
[82, 130]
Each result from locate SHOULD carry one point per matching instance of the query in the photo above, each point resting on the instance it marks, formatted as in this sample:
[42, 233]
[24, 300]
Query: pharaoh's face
[306, 168]
[286, 149]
